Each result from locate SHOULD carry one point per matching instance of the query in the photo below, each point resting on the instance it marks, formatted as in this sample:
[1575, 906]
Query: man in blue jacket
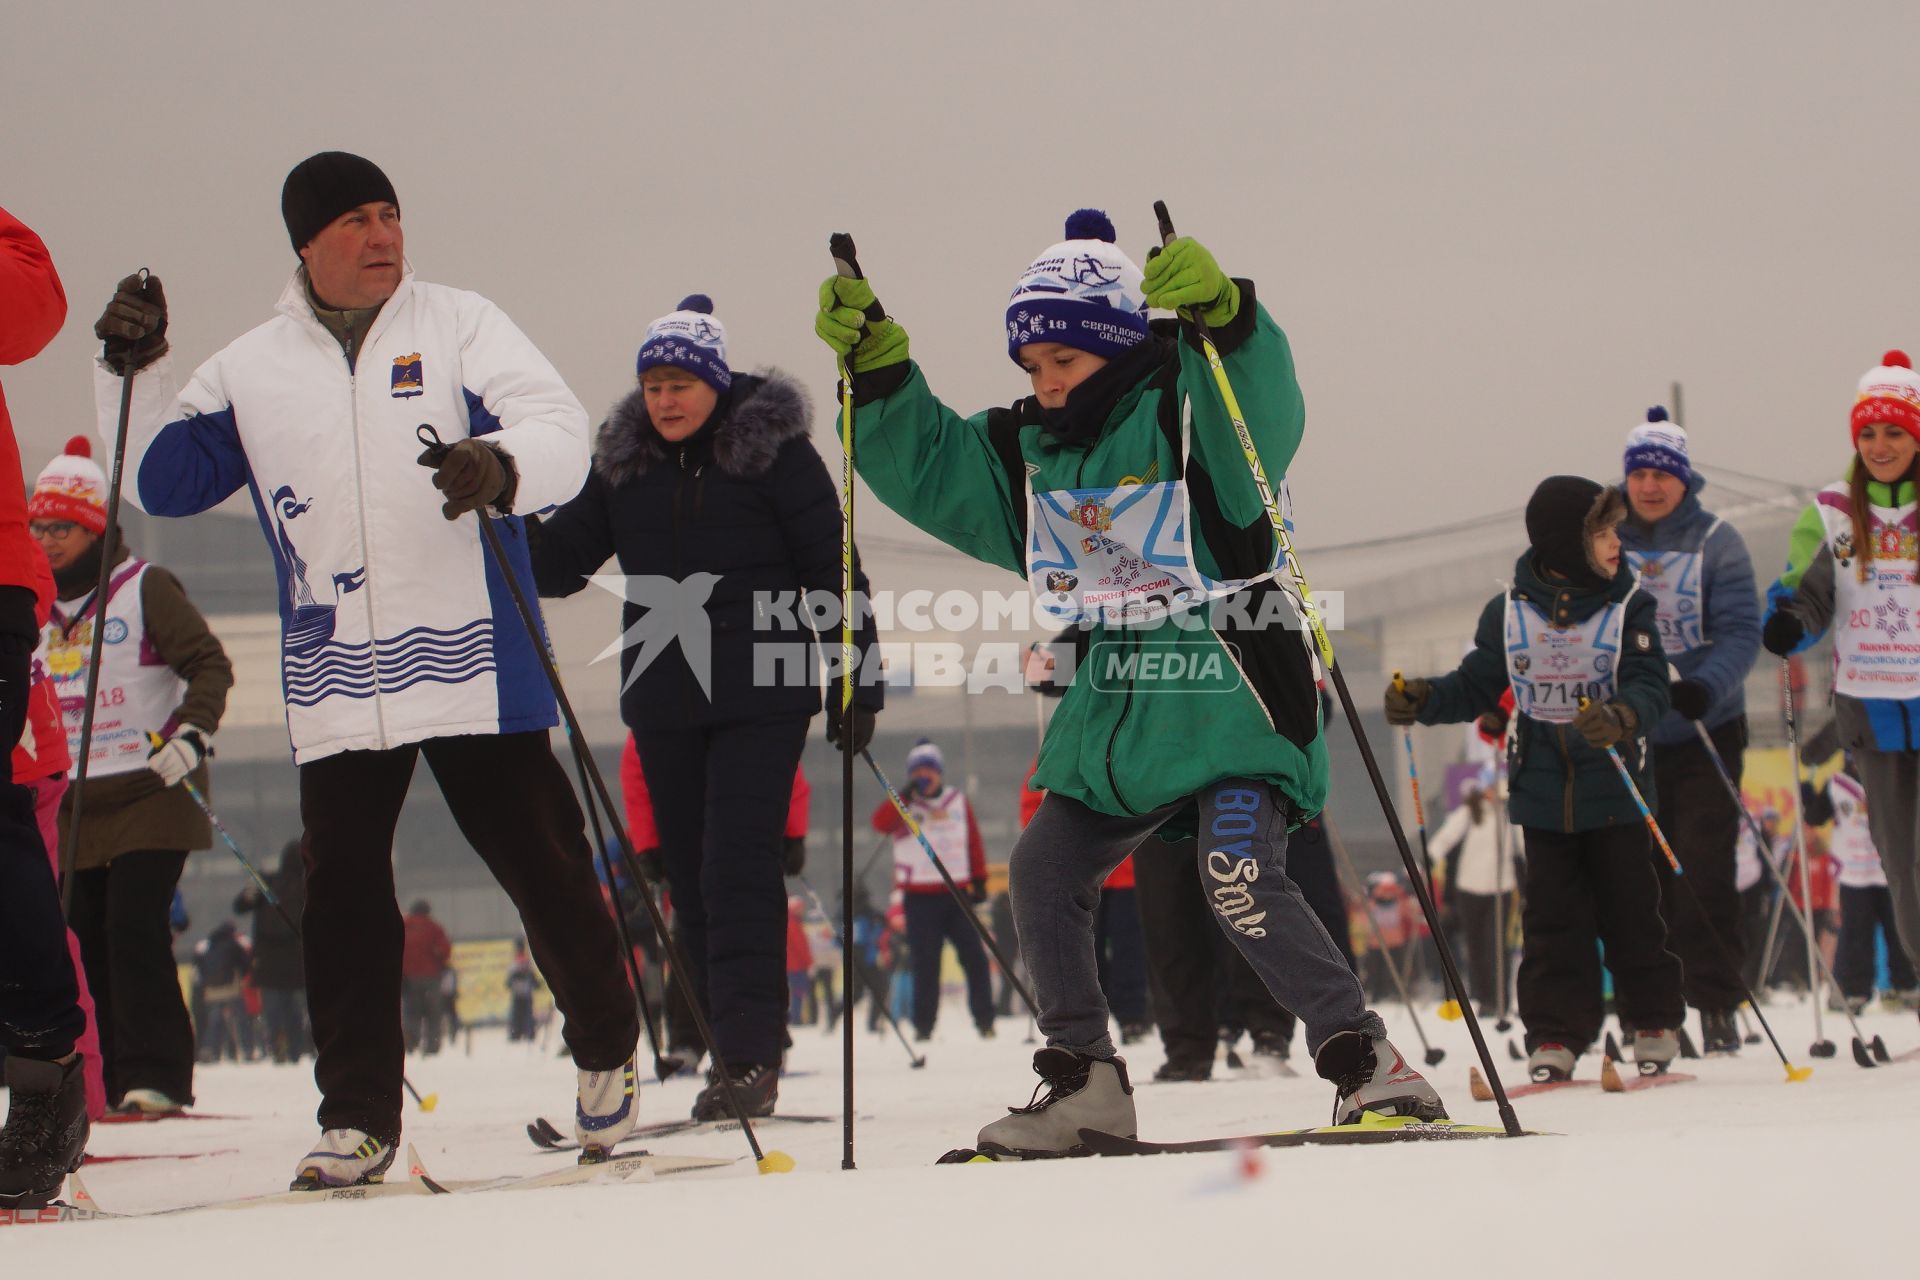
[1695, 566]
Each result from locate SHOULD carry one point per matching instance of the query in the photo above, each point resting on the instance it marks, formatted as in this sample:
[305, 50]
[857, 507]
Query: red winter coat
[1121, 877]
[640, 825]
[799, 950]
[32, 308]
[43, 746]
[427, 948]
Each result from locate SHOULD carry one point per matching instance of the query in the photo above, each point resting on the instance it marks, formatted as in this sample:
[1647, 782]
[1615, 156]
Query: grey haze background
[1495, 233]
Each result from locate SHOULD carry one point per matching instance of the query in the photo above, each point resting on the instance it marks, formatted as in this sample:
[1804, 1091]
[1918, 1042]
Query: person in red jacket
[799, 960]
[40, 1015]
[932, 916]
[424, 960]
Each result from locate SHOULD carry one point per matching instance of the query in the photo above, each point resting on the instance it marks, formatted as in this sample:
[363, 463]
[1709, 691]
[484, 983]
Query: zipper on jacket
[1566, 757]
[366, 555]
[1114, 737]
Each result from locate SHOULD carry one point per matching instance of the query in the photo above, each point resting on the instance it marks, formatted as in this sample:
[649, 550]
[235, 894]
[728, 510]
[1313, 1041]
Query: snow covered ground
[1739, 1172]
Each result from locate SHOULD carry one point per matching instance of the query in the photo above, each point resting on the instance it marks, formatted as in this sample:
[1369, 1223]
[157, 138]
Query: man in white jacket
[398, 634]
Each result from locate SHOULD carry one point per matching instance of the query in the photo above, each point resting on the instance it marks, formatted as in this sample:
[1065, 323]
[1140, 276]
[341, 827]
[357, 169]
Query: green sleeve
[1260, 370]
[1475, 687]
[1803, 544]
[937, 469]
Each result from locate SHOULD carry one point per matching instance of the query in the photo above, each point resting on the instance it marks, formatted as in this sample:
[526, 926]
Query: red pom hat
[1889, 393]
[72, 488]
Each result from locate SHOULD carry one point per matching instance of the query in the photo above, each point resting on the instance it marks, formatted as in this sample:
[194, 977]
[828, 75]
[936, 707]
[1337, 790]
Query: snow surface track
[1739, 1174]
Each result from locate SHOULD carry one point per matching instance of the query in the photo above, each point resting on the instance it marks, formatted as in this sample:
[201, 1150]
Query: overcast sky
[1494, 232]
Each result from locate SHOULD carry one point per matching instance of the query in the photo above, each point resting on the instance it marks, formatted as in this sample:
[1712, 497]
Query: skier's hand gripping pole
[764, 1161]
[1295, 584]
[1794, 1074]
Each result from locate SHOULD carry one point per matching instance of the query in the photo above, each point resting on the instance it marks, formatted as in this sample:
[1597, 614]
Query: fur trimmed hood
[763, 411]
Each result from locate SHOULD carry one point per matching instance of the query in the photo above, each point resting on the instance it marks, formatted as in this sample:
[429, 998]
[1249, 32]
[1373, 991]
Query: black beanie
[1562, 514]
[322, 187]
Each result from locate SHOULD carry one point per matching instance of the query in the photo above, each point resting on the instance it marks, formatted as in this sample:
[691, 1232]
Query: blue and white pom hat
[688, 337]
[1659, 445]
[1082, 292]
[925, 755]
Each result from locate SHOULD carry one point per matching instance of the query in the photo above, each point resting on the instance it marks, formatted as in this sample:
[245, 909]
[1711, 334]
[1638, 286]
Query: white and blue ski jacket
[396, 625]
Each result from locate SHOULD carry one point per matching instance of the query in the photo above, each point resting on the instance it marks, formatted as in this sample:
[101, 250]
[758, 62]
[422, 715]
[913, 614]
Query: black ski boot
[1719, 1033]
[757, 1085]
[45, 1137]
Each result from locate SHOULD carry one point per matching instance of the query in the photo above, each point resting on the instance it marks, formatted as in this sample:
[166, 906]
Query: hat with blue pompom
[1659, 445]
[688, 337]
[1083, 293]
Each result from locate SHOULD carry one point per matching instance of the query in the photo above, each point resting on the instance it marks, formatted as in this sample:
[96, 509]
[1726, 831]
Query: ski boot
[1719, 1033]
[1185, 1068]
[1550, 1063]
[148, 1104]
[757, 1085]
[1369, 1074]
[1270, 1054]
[605, 1112]
[1135, 1032]
[1654, 1050]
[1895, 1001]
[1075, 1092]
[685, 1059]
[344, 1158]
[45, 1137]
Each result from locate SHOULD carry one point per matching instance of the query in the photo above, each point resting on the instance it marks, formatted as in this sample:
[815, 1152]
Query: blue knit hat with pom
[1659, 445]
[688, 337]
[1082, 292]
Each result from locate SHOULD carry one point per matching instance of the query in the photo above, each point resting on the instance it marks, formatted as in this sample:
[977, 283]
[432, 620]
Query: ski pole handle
[1166, 222]
[840, 245]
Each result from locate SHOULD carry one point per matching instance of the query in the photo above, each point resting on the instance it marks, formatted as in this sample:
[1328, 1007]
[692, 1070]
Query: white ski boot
[608, 1107]
[1654, 1050]
[1371, 1075]
[148, 1102]
[343, 1158]
[1550, 1064]
[1075, 1092]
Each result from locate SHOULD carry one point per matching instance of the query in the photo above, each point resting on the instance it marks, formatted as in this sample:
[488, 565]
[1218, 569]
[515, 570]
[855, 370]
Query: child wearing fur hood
[1578, 643]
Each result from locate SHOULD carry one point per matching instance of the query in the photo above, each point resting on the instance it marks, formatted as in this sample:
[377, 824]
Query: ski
[1612, 1081]
[636, 1167]
[547, 1137]
[154, 1117]
[1477, 1085]
[1370, 1129]
[162, 1155]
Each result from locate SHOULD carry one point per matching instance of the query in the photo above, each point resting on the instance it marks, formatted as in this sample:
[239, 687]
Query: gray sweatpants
[1892, 780]
[1066, 852]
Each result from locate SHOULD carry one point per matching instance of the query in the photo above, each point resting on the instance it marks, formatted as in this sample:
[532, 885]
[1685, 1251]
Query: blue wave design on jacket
[418, 655]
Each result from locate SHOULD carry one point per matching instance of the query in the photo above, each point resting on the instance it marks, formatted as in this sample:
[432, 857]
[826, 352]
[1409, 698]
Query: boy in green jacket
[1578, 641]
[1119, 490]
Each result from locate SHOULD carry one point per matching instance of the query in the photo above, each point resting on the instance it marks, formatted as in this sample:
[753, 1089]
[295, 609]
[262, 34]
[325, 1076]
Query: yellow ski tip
[1450, 1011]
[775, 1162]
[1610, 1077]
[1477, 1085]
[1796, 1074]
[429, 1102]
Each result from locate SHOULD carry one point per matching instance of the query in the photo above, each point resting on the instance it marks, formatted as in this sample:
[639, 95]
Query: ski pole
[1822, 1047]
[966, 908]
[1865, 1052]
[1302, 598]
[70, 847]
[426, 1103]
[846, 953]
[1449, 1010]
[1500, 833]
[846, 264]
[1433, 1056]
[764, 1161]
[1794, 1074]
[663, 1066]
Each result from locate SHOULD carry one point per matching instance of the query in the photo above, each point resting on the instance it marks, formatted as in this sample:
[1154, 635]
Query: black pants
[934, 919]
[1120, 955]
[120, 916]
[720, 799]
[39, 997]
[1472, 933]
[1586, 890]
[1199, 981]
[421, 1014]
[1700, 821]
[516, 808]
[1865, 911]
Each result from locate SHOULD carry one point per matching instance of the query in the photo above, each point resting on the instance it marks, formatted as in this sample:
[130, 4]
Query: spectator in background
[220, 964]
[278, 969]
[423, 964]
[1468, 843]
[522, 982]
[799, 960]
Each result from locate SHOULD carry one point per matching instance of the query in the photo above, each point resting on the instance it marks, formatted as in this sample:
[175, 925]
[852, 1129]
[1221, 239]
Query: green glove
[1184, 275]
[841, 323]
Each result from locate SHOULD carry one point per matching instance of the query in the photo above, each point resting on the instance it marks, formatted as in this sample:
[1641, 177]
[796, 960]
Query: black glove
[1783, 633]
[977, 892]
[793, 856]
[133, 328]
[1492, 723]
[1603, 724]
[473, 474]
[1405, 701]
[652, 867]
[1690, 698]
[862, 728]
